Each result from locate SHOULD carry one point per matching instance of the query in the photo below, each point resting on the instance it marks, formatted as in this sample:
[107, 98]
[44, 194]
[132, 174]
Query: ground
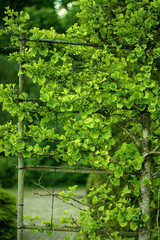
[42, 206]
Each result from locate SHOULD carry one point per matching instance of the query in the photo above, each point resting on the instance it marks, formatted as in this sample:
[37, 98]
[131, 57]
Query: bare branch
[60, 197]
[106, 232]
[156, 127]
[131, 135]
[75, 222]
[156, 148]
[150, 153]
[156, 174]
[45, 189]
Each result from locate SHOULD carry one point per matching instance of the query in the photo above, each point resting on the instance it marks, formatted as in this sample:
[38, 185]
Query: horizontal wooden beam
[67, 169]
[74, 229]
[63, 42]
[57, 229]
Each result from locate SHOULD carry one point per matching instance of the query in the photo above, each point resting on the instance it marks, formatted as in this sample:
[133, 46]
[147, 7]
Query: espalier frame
[21, 167]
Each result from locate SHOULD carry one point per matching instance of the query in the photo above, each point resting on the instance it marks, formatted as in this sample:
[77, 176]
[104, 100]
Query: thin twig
[59, 197]
[155, 149]
[45, 189]
[136, 140]
[106, 232]
[156, 127]
[156, 174]
[75, 222]
[150, 153]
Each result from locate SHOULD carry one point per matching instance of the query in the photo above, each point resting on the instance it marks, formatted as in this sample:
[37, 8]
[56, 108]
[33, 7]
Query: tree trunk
[144, 232]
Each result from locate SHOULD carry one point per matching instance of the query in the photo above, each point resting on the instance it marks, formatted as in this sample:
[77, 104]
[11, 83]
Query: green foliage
[8, 214]
[94, 90]
[8, 176]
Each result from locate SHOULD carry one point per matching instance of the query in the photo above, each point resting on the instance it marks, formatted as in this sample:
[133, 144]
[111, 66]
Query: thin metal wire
[54, 182]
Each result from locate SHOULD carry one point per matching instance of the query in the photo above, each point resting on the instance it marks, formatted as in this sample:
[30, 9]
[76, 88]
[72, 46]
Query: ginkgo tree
[99, 77]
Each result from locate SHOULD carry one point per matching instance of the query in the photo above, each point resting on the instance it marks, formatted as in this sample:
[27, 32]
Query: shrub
[8, 214]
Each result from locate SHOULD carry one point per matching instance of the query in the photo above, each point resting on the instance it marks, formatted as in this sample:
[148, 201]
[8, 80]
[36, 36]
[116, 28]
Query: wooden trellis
[21, 168]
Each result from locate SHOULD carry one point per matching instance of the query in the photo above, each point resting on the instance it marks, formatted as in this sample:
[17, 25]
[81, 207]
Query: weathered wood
[56, 229]
[75, 229]
[20, 160]
[62, 42]
[67, 169]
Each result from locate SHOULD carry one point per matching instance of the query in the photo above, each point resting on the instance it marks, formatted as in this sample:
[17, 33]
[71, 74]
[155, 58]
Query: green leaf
[67, 237]
[29, 148]
[152, 205]
[13, 139]
[106, 135]
[26, 16]
[133, 226]
[63, 220]
[77, 88]
[123, 224]
[94, 134]
[137, 163]
[125, 191]
[145, 217]
[115, 181]
[69, 108]
[89, 122]
[66, 212]
[49, 233]
[29, 74]
[37, 149]
[101, 208]
[111, 166]
[95, 200]
[26, 154]
[118, 172]
[146, 181]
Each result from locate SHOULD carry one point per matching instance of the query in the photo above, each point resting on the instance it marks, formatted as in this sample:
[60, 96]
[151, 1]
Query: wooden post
[20, 158]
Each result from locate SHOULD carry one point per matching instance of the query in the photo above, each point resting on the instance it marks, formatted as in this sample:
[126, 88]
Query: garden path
[37, 205]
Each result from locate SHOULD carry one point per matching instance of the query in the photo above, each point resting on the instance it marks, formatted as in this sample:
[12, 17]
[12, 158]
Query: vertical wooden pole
[20, 158]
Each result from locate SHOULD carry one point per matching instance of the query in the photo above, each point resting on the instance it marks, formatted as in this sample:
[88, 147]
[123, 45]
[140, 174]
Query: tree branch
[60, 197]
[131, 135]
[150, 153]
[156, 174]
[155, 149]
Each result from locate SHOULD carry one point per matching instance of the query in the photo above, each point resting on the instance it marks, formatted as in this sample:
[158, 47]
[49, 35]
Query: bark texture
[144, 232]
